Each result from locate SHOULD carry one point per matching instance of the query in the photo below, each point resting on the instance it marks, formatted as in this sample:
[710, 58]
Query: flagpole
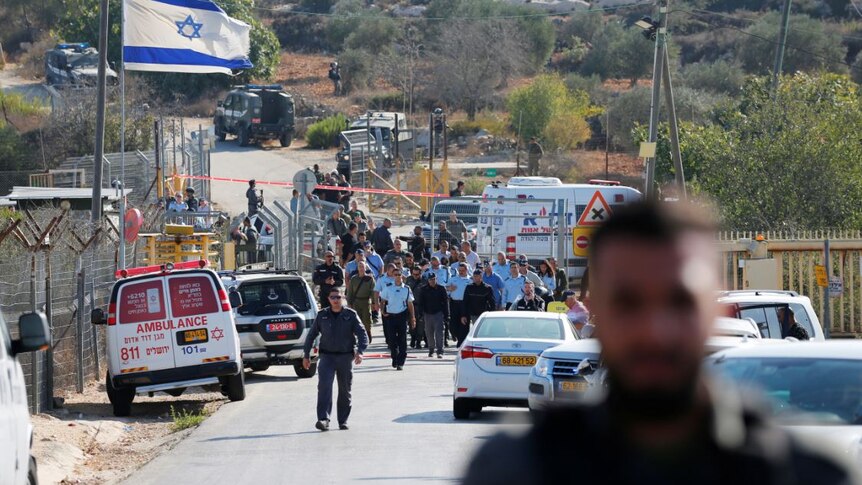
[121, 256]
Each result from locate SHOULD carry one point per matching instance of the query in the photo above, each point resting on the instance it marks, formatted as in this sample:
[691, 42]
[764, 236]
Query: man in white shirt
[472, 256]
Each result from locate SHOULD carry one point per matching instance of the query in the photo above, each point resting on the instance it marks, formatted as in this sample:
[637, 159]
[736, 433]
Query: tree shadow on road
[256, 436]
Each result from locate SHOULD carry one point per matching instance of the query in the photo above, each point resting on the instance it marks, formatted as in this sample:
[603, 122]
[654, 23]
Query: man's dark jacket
[324, 271]
[478, 299]
[342, 334]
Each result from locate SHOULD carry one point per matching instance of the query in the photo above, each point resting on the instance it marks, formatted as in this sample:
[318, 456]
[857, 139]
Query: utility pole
[675, 151]
[658, 66]
[99, 155]
[779, 49]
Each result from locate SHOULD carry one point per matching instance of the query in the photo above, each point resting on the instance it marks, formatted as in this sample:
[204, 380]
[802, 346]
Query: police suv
[170, 327]
[278, 308]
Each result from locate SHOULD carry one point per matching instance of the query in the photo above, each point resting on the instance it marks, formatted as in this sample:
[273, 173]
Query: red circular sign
[583, 242]
[133, 222]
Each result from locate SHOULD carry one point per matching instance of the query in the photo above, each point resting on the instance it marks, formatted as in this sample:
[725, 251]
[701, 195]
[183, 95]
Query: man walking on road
[529, 301]
[416, 243]
[327, 276]
[434, 305]
[478, 299]
[513, 286]
[395, 252]
[456, 287]
[253, 200]
[457, 227]
[342, 342]
[495, 282]
[396, 307]
[534, 156]
[416, 284]
[361, 296]
[666, 420]
[381, 238]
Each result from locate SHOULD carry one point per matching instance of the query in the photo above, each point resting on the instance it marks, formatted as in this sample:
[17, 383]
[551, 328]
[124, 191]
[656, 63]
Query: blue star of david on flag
[189, 22]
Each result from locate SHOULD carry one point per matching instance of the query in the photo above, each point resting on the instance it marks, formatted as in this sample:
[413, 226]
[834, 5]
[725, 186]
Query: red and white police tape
[322, 187]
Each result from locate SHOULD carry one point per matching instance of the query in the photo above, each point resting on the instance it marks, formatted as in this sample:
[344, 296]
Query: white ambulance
[170, 327]
[522, 217]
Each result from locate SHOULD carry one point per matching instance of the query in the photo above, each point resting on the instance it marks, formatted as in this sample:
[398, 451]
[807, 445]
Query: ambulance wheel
[303, 373]
[259, 366]
[233, 386]
[121, 399]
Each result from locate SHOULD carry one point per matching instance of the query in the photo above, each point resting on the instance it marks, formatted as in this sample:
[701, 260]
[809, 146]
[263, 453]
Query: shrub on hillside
[301, 32]
[356, 69]
[324, 133]
[718, 77]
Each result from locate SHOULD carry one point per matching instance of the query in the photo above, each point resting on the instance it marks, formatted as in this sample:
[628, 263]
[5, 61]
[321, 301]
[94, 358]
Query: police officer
[342, 342]
[396, 307]
[529, 301]
[327, 276]
[513, 285]
[457, 285]
[478, 299]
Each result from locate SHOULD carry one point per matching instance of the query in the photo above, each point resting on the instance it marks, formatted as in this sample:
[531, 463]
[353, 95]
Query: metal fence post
[35, 358]
[79, 341]
[827, 313]
[49, 354]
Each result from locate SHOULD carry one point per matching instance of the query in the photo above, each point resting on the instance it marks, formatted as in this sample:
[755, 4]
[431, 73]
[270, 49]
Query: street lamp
[649, 26]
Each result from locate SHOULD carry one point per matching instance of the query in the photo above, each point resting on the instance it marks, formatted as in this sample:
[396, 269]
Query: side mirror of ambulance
[97, 317]
[235, 298]
[34, 333]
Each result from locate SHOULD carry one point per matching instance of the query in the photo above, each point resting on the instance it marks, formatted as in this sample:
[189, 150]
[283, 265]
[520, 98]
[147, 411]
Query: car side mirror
[235, 298]
[585, 368]
[33, 333]
[97, 317]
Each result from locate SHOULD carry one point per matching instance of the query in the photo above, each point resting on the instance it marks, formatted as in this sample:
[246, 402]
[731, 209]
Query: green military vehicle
[255, 112]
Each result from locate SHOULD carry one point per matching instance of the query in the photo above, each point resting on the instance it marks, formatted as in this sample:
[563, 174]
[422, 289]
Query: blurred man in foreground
[653, 281]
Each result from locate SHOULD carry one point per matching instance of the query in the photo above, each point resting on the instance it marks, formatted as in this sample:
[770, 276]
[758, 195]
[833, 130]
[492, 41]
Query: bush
[186, 419]
[319, 6]
[301, 32]
[718, 77]
[387, 102]
[324, 133]
[464, 128]
[356, 69]
[547, 108]
[474, 186]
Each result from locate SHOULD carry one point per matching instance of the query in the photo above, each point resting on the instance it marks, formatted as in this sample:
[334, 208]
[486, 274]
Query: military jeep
[256, 112]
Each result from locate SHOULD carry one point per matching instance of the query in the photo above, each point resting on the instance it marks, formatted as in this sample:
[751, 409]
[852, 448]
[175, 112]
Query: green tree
[619, 53]
[785, 163]
[547, 109]
[721, 77]
[810, 46]
[80, 23]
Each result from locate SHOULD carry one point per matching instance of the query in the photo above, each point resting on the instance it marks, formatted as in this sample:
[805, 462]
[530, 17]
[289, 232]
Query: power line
[771, 41]
[731, 17]
[487, 17]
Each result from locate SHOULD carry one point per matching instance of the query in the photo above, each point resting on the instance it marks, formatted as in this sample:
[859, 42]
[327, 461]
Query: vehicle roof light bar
[161, 268]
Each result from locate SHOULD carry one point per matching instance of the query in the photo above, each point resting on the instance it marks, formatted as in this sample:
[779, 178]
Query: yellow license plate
[516, 360]
[192, 336]
[573, 386]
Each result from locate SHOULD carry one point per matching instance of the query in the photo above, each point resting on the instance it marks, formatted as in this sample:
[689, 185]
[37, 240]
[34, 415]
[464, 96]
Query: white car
[493, 365]
[815, 388]
[16, 432]
[762, 307]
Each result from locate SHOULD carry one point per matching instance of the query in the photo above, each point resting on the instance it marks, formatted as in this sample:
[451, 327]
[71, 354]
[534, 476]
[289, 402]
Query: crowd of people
[432, 301]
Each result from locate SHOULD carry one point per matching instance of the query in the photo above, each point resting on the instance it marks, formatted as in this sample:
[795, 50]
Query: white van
[534, 203]
[170, 327]
[17, 466]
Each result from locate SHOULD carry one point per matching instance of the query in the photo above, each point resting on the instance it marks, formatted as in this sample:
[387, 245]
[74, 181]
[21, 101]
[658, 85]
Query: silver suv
[764, 306]
[277, 311]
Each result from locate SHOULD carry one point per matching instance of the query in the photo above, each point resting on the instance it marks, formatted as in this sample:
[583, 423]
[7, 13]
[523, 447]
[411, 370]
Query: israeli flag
[193, 36]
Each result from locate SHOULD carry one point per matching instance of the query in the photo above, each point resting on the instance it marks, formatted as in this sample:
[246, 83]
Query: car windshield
[513, 327]
[803, 390]
[260, 294]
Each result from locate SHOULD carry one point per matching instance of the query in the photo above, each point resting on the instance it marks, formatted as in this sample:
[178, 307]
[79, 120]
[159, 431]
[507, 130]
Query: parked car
[278, 308]
[763, 307]
[493, 365]
[17, 466]
[814, 388]
[170, 327]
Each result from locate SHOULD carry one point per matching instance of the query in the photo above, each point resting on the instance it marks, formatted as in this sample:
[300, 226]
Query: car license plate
[196, 336]
[573, 386]
[516, 360]
[281, 327]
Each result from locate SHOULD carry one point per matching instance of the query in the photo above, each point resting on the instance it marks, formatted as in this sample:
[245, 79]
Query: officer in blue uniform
[513, 285]
[342, 342]
[396, 302]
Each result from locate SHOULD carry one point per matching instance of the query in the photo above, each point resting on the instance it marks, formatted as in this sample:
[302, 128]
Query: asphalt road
[402, 431]
[261, 163]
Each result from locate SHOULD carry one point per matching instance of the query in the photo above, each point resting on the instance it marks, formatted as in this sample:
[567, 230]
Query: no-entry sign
[581, 239]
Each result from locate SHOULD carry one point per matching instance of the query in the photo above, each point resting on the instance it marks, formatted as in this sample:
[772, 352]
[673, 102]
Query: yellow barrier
[162, 248]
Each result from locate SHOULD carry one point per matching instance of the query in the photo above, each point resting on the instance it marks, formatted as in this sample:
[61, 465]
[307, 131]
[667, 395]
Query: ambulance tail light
[510, 247]
[112, 314]
[225, 301]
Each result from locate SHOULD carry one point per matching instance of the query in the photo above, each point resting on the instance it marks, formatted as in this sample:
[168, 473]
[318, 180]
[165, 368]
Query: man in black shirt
[327, 276]
[415, 243]
[660, 419]
[342, 342]
[478, 299]
[253, 200]
[349, 243]
[434, 307]
[191, 200]
[529, 301]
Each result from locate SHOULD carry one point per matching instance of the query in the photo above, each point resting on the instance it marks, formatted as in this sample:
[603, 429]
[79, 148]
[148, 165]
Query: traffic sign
[304, 181]
[836, 286]
[581, 238]
[820, 275]
[597, 211]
